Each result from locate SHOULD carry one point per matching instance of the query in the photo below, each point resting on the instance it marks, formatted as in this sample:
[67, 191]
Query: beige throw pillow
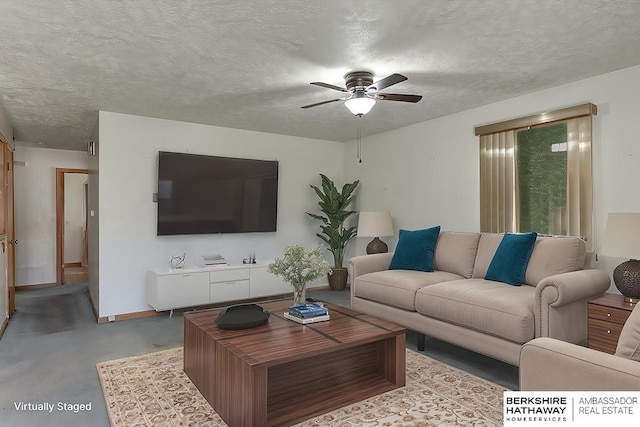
[629, 341]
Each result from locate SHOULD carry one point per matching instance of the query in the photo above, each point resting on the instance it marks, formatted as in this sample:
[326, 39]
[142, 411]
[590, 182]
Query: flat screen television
[208, 194]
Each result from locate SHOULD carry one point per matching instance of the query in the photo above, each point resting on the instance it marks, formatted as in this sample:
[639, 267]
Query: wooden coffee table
[283, 372]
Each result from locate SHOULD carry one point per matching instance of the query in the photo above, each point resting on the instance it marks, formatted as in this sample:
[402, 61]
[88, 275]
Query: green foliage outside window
[542, 179]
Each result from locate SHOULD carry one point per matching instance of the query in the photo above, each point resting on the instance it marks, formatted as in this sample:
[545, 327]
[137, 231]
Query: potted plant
[298, 267]
[334, 207]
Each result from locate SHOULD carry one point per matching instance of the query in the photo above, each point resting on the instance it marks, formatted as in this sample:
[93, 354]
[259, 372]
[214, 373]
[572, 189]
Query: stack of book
[307, 313]
[213, 260]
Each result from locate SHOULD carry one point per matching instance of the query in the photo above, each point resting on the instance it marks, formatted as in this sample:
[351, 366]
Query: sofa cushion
[555, 255]
[415, 249]
[550, 256]
[510, 260]
[629, 341]
[487, 246]
[397, 287]
[491, 307]
[456, 252]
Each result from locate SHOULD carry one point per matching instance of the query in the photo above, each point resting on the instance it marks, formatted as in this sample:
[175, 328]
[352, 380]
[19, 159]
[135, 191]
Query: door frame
[11, 230]
[60, 172]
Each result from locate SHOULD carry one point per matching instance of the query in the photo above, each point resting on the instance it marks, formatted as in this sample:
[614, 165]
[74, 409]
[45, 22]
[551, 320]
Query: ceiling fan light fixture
[361, 93]
[360, 104]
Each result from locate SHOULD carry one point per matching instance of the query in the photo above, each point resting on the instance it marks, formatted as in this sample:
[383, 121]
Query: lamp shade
[374, 224]
[360, 104]
[622, 236]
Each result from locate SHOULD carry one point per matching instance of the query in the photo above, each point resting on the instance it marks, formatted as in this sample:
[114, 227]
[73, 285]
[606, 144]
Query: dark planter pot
[337, 279]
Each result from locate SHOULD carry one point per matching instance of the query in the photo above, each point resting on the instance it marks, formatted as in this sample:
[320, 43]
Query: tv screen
[208, 194]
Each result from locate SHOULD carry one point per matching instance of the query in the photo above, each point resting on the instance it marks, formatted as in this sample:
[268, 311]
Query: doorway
[71, 226]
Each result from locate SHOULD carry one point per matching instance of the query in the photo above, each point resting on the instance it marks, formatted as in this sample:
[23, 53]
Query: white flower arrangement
[299, 266]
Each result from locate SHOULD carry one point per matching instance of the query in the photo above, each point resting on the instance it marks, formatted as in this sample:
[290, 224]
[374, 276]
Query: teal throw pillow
[415, 250]
[510, 261]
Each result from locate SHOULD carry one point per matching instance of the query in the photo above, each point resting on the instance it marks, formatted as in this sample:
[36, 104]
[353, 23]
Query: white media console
[168, 289]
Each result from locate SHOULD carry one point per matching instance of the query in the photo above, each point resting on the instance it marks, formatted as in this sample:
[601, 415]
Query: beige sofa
[551, 365]
[455, 303]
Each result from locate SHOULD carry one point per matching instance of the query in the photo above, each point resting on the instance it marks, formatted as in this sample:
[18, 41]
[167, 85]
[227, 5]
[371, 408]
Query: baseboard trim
[5, 323]
[38, 286]
[119, 317]
[129, 316]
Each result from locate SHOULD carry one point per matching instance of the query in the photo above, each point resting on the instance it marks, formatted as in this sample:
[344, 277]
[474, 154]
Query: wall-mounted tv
[208, 194]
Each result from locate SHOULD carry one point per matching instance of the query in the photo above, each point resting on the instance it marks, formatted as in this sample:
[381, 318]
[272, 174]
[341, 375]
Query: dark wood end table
[606, 317]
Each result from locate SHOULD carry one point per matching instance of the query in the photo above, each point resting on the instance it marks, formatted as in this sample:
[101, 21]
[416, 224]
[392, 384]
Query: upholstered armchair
[547, 364]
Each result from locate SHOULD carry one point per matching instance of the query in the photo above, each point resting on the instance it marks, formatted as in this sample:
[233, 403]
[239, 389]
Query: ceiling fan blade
[320, 103]
[328, 86]
[398, 97]
[387, 81]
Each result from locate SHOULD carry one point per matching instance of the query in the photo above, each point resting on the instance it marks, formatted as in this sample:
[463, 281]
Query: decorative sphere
[626, 276]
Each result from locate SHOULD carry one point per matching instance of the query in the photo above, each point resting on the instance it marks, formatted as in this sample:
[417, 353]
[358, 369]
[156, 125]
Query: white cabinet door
[264, 283]
[179, 290]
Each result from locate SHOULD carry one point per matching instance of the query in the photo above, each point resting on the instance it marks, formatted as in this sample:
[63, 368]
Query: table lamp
[622, 240]
[376, 225]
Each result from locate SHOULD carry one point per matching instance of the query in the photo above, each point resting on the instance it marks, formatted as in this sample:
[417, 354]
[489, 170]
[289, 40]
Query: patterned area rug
[153, 390]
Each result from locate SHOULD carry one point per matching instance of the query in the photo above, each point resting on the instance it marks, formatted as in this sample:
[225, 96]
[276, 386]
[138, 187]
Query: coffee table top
[282, 341]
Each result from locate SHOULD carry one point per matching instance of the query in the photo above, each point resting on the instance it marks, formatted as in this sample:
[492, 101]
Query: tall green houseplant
[334, 207]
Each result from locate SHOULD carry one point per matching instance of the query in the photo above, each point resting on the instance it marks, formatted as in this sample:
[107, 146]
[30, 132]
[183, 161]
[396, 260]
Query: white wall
[128, 245]
[35, 210]
[428, 174]
[74, 216]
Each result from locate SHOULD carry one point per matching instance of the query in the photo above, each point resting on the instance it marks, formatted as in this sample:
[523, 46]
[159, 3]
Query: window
[541, 162]
[535, 174]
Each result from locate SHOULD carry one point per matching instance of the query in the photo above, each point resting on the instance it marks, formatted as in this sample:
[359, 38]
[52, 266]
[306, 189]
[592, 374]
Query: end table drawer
[604, 335]
[608, 314]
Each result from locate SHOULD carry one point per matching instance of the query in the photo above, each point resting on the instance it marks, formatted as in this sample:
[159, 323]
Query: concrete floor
[49, 351]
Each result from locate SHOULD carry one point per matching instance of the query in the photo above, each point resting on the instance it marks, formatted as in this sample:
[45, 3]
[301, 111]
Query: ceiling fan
[361, 92]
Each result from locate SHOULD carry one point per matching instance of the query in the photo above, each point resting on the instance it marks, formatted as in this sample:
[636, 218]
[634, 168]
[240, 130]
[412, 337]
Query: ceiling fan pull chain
[359, 144]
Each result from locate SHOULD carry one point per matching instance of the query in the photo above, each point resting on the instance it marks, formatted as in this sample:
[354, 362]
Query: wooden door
[4, 289]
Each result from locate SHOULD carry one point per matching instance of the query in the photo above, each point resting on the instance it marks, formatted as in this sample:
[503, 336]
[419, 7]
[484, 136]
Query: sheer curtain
[579, 180]
[498, 186]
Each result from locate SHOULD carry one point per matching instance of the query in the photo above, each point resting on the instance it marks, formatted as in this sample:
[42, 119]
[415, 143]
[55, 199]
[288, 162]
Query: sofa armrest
[547, 364]
[565, 288]
[561, 303]
[368, 264]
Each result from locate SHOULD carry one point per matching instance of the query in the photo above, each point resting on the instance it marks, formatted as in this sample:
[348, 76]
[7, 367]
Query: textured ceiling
[248, 63]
